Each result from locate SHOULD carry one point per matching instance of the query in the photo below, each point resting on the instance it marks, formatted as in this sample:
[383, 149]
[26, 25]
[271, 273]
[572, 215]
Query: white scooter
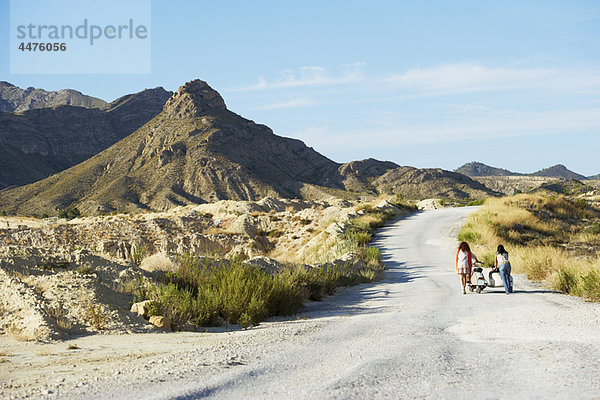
[493, 282]
[480, 282]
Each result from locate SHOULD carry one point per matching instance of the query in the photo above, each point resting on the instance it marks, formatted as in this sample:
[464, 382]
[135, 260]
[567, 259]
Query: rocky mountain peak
[194, 99]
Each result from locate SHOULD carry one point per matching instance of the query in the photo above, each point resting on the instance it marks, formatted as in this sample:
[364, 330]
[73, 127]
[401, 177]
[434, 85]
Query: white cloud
[310, 76]
[503, 124]
[465, 77]
[287, 104]
[437, 81]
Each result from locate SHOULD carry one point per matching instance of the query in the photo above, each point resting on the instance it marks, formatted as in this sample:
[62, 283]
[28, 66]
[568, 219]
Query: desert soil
[411, 335]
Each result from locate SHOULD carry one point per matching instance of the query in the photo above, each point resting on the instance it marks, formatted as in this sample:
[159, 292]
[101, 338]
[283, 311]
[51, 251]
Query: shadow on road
[362, 299]
[501, 291]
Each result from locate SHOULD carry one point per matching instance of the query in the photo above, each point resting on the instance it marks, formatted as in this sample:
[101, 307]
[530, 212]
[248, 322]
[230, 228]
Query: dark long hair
[464, 246]
[501, 250]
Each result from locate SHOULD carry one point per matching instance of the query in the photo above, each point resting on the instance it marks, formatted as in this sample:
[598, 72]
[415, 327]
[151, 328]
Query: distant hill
[15, 99]
[594, 177]
[413, 183]
[40, 142]
[479, 169]
[358, 175]
[559, 171]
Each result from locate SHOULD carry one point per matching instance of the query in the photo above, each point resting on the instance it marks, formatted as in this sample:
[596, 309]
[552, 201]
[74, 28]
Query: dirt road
[413, 335]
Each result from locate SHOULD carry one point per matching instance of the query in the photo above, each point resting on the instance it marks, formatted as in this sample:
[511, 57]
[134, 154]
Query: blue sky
[514, 84]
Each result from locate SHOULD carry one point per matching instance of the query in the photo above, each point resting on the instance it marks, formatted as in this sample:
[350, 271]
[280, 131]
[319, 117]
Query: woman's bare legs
[463, 281]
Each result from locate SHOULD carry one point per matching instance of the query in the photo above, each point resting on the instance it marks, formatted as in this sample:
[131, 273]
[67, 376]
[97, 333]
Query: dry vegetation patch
[225, 262]
[550, 238]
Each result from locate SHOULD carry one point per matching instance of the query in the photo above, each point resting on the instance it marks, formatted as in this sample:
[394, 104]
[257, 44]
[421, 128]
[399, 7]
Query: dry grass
[21, 334]
[96, 316]
[551, 239]
[59, 315]
[158, 262]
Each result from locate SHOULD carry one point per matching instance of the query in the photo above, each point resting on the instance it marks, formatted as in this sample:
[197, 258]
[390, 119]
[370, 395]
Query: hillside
[358, 175]
[40, 142]
[15, 99]
[473, 169]
[194, 151]
[511, 185]
[413, 183]
[559, 171]
[570, 187]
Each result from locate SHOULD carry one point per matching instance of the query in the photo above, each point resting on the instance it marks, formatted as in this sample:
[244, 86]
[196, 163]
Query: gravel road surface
[412, 335]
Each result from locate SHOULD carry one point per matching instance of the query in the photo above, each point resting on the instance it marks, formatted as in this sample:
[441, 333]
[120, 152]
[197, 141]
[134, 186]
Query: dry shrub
[22, 334]
[158, 262]
[95, 316]
[59, 315]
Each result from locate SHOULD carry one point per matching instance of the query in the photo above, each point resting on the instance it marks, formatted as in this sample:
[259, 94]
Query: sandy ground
[412, 335]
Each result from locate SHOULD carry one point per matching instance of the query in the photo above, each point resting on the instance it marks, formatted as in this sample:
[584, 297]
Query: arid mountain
[40, 142]
[559, 171]
[15, 99]
[194, 151]
[479, 169]
[358, 175]
[413, 183]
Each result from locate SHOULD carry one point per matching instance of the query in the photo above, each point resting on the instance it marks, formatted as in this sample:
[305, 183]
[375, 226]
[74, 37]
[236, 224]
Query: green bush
[205, 294]
[467, 234]
[359, 237]
[566, 281]
[594, 228]
[488, 260]
[358, 225]
[85, 269]
[372, 257]
[70, 213]
[590, 285]
[476, 202]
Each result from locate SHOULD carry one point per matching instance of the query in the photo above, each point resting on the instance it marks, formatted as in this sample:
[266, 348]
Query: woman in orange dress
[464, 264]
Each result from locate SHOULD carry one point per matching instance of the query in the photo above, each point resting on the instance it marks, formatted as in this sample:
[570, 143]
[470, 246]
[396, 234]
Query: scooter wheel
[479, 289]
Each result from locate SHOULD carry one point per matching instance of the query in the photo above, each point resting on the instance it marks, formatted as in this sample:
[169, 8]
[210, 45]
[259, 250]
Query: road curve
[413, 335]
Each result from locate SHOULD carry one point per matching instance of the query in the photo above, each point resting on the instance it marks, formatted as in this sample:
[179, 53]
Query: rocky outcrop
[194, 99]
[161, 322]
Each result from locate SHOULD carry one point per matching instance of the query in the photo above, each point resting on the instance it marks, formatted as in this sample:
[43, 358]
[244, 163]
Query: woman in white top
[503, 265]
[464, 264]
